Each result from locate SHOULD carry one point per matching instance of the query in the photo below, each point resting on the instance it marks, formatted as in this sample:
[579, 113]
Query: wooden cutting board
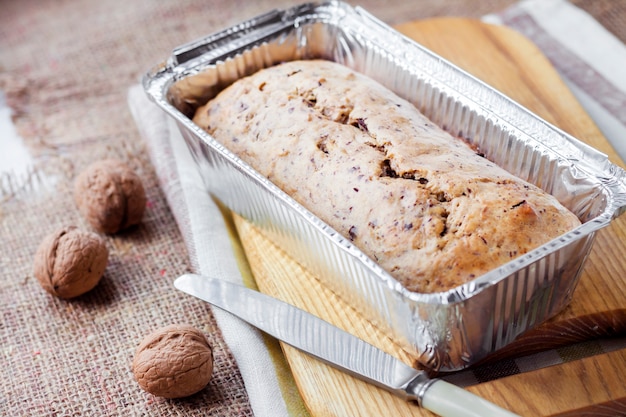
[512, 64]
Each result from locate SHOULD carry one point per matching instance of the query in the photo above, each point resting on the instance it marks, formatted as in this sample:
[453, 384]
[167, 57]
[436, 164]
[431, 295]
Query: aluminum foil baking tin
[450, 330]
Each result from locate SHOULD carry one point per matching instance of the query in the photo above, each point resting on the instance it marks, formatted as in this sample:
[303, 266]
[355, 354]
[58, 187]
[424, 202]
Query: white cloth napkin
[589, 58]
[209, 246]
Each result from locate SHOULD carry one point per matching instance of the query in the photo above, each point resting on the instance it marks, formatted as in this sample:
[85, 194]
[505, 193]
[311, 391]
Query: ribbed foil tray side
[448, 330]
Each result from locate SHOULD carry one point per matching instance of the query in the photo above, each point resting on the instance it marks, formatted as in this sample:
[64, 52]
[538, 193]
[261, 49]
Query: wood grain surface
[509, 62]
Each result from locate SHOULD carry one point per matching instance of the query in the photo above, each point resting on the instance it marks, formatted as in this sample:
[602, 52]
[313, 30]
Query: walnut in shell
[174, 362]
[110, 195]
[69, 262]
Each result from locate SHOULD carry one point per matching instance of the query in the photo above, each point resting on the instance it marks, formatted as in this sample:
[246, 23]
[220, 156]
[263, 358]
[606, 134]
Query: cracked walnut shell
[69, 262]
[173, 362]
[110, 195]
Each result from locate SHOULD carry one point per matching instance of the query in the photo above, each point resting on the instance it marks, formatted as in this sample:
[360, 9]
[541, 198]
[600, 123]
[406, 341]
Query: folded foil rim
[449, 330]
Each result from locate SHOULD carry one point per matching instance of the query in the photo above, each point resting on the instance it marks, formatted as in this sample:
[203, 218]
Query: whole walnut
[69, 262]
[173, 362]
[110, 195]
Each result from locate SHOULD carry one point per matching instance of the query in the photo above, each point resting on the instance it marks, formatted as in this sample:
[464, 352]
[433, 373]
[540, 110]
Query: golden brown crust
[421, 203]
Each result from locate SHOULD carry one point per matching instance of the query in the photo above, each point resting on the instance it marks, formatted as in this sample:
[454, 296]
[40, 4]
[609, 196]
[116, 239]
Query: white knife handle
[448, 400]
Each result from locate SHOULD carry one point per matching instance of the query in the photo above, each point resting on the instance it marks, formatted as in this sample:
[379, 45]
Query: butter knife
[322, 340]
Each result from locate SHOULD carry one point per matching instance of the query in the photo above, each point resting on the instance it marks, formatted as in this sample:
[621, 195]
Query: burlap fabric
[65, 68]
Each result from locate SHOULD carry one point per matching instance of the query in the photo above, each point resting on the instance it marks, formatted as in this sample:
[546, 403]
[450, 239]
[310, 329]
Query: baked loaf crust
[423, 204]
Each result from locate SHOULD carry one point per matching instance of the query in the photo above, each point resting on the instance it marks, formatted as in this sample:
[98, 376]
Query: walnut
[69, 262]
[110, 195]
[173, 362]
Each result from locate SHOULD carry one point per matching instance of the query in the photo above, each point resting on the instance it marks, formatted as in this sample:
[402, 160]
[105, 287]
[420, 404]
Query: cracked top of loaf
[423, 204]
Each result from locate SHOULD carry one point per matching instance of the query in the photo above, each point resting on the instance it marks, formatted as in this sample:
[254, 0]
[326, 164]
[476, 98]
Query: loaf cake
[427, 207]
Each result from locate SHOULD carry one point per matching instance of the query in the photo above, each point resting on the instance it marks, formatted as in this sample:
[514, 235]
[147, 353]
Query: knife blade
[337, 347]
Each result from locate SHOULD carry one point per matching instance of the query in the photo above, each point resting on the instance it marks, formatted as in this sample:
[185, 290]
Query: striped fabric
[508, 367]
[590, 59]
